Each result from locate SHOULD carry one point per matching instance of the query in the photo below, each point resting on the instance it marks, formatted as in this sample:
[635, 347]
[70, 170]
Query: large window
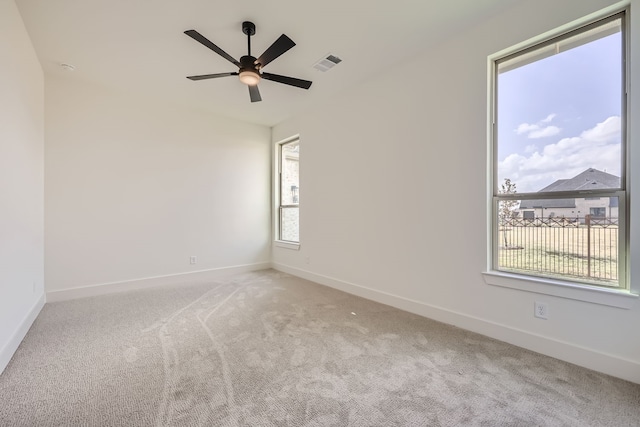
[289, 191]
[559, 156]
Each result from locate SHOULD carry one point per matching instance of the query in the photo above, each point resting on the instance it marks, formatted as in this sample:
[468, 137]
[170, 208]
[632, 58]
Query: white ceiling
[138, 45]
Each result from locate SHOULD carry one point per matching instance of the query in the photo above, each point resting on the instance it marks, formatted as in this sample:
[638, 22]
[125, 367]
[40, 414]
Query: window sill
[591, 294]
[287, 245]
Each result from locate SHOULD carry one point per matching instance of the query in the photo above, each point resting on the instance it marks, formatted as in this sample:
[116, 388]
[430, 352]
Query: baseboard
[608, 364]
[150, 282]
[10, 348]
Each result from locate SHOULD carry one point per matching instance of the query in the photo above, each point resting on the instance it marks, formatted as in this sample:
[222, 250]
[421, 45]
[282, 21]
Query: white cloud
[539, 130]
[606, 131]
[544, 132]
[549, 118]
[526, 127]
[598, 147]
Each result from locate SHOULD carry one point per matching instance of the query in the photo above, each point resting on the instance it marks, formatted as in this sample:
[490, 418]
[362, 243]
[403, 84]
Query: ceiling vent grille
[327, 62]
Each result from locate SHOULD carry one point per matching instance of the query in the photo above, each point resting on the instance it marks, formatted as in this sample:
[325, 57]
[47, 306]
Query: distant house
[590, 179]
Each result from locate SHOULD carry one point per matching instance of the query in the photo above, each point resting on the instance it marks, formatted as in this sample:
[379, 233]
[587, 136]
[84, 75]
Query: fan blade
[204, 41]
[278, 47]
[254, 93]
[292, 81]
[211, 76]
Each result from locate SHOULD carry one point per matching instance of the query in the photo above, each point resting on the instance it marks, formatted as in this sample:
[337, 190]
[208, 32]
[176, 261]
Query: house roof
[590, 179]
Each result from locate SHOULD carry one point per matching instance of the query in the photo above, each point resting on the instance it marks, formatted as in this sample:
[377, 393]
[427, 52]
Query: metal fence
[579, 248]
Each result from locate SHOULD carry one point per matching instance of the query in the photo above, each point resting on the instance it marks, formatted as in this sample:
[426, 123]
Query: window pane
[289, 191]
[289, 224]
[559, 113]
[560, 238]
[290, 186]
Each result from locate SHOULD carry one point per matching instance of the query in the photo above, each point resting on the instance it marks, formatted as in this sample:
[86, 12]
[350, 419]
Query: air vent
[327, 62]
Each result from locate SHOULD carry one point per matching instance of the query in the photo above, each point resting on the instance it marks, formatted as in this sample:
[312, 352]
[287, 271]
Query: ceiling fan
[249, 68]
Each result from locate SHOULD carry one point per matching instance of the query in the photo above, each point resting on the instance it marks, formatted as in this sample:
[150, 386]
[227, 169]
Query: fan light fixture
[249, 77]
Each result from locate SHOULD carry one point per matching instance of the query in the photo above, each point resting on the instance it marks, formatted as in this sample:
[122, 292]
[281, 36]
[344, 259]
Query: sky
[561, 115]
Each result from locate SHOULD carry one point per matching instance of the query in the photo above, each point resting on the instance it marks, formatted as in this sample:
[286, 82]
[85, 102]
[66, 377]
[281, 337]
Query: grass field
[574, 252]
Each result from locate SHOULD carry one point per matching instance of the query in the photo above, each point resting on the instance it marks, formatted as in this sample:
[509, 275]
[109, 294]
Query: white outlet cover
[541, 310]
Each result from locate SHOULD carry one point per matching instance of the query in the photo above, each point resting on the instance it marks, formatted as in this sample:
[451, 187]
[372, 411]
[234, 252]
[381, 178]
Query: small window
[289, 191]
[559, 147]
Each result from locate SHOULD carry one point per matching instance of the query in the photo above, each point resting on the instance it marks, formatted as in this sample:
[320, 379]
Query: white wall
[372, 218]
[21, 182]
[134, 188]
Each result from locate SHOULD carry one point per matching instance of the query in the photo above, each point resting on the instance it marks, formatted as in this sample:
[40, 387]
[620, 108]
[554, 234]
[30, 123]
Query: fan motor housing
[248, 63]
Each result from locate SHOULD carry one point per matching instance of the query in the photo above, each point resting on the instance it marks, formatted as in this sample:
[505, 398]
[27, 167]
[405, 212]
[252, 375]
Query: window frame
[278, 195]
[565, 287]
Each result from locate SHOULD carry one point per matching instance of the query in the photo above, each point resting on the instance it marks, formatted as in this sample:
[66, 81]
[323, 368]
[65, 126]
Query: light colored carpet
[269, 349]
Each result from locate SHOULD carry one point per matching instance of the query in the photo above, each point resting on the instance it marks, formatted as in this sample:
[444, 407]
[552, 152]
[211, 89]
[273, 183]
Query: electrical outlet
[541, 310]
[193, 259]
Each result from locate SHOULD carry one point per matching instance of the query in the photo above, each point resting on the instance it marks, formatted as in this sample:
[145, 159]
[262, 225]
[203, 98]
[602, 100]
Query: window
[289, 191]
[559, 157]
